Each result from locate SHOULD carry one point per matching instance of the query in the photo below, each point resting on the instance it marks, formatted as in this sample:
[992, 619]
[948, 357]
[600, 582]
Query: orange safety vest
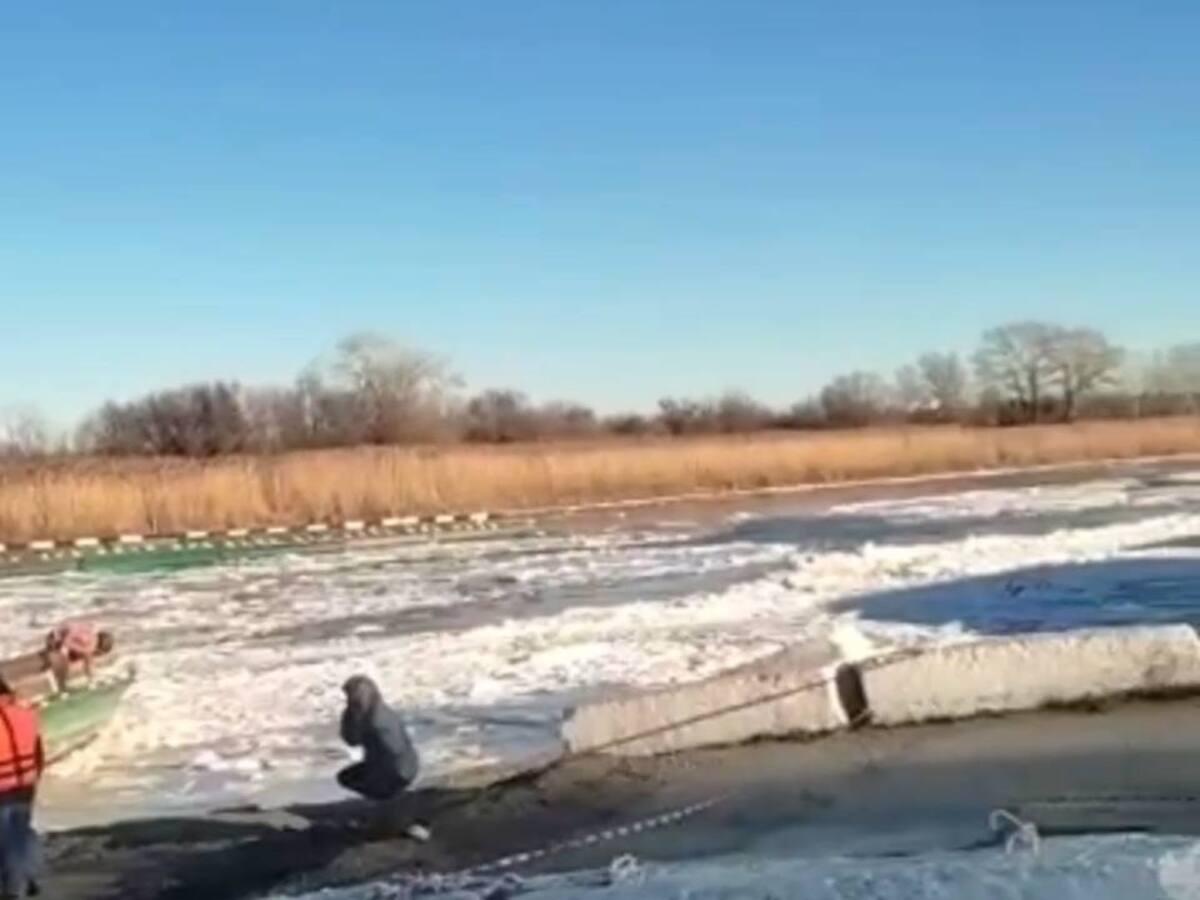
[20, 753]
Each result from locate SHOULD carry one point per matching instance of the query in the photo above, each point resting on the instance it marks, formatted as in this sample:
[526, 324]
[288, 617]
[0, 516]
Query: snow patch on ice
[1039, 500]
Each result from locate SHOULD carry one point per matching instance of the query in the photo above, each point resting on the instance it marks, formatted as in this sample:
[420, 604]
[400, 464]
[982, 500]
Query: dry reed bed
[104, 497]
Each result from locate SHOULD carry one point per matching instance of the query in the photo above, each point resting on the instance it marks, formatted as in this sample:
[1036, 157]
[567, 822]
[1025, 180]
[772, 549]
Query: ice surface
[1081, 868]
[484, 644]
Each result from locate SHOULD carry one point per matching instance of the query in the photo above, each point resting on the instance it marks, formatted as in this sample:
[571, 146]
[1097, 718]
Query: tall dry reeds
[76, 498]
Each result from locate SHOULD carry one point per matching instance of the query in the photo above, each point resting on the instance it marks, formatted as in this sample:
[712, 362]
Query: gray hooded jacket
[368, 722]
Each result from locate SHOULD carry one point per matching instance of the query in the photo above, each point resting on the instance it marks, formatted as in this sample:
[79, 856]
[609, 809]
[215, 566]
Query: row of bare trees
[1023, 372]
[370, 390]
[1026, 362]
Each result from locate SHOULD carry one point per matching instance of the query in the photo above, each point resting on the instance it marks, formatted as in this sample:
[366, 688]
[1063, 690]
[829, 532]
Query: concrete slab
[1029, 672]
[793, 692]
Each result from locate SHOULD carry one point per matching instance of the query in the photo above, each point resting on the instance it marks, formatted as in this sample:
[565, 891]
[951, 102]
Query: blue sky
[609, 201]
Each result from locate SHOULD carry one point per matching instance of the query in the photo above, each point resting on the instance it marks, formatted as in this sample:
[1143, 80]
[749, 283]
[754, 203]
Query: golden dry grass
[103, 497]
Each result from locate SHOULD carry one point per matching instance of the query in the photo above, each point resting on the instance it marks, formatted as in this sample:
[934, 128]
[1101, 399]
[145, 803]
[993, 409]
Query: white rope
[598, 837]
[1021, 833]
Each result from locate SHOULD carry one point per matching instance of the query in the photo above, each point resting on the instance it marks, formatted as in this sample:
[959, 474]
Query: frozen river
[486, 643]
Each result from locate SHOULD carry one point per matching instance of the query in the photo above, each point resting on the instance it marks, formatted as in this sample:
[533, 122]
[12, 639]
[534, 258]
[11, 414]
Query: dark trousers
[393, 816]
[372, 783]
[20, 855]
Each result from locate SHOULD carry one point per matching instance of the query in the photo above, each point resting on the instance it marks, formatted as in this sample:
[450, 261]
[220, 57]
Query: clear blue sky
[608, 200]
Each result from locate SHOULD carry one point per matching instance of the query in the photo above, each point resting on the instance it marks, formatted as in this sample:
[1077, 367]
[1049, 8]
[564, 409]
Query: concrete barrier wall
[791, 692]
[1030, 671]
[804, 691]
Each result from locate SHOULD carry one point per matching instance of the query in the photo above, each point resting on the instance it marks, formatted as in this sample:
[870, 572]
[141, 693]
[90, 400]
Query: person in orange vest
[21, 763]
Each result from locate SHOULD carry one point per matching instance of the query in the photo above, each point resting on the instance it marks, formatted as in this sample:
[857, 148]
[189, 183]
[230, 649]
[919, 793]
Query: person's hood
[362, 694]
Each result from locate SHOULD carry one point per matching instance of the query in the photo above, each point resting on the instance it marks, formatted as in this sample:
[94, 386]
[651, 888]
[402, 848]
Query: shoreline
[955, 477]
[321, 534]
[68, 500]
[1124, 766]
[826, 494]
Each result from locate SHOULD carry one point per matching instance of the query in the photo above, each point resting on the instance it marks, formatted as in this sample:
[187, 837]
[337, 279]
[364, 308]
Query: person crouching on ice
[21, 764]
[390, 762]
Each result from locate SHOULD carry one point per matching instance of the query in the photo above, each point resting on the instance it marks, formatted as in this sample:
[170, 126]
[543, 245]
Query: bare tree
[736, 412]
[276, 419]
[505, 416]
[934, 389]
[1018, 360]
[1082, 360]
[498, 416]
[376, 391]
[857, 399]
[1183, 368]
[565, 419]
[330, 415]
[912, 391]
[946, 380]
[629, 424]
[804, 414]
[23, 433]
[1176, 371]
[200, 420]
[1170, 382]
[682, 416]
